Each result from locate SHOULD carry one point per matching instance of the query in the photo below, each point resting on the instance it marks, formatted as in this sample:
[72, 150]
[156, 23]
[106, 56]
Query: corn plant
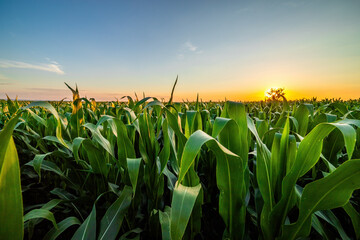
[149, 169]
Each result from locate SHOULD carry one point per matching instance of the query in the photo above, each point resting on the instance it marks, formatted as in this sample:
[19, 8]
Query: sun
[270, 92]
[267, 93]
[274, 93]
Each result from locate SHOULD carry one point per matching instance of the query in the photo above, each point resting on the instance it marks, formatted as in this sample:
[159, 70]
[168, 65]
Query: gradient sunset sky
[232, 49]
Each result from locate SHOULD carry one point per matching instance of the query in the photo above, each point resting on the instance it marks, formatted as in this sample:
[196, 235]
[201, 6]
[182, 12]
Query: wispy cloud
[191, 47]
[188, 47]
[52, 66]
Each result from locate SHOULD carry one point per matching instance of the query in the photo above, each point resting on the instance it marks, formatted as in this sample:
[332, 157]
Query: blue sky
[233, 49]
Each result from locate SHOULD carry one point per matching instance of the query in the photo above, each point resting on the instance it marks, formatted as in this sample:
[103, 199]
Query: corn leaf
[330, 192]
[11, 206]
[181, 207]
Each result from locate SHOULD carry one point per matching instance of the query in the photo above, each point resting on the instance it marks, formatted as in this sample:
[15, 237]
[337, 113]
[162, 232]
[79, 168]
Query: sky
[219, 49]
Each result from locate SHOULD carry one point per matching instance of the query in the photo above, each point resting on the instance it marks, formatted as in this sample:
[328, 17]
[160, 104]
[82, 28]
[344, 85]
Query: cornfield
[150, 169]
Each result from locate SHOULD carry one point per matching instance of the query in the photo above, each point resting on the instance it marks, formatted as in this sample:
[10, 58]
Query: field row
[149, 169]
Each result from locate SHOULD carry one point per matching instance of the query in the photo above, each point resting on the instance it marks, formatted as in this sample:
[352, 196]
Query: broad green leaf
[236, 111]
[165, 221]
[276, 164]
[192, 148]
[333, 144]
[30, 225]
[87, 230]
[330, 192]
[133, 165]
[51, 109]
[99, 138]
[37, 161]
[111, 222]
[96, 158]
[175, 124]
[62, 226]
[125, 147]
[307, 155]
[355, 218]
[51, 204]
[48, 166]
[40, 213]
[181, 207]
[193, 122]
[63, 194]
[57, 140]
[37, 118]
[264, 180]
[228, 133]
[302, 116]
[228, 171]
[330, 217]
[165, 152]
[76, 146]
[11, 205]
[318, 226]
[148, 146]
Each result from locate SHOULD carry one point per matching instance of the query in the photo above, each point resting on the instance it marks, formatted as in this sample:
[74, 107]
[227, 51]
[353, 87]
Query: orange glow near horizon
[255, 92]
[259, 94]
